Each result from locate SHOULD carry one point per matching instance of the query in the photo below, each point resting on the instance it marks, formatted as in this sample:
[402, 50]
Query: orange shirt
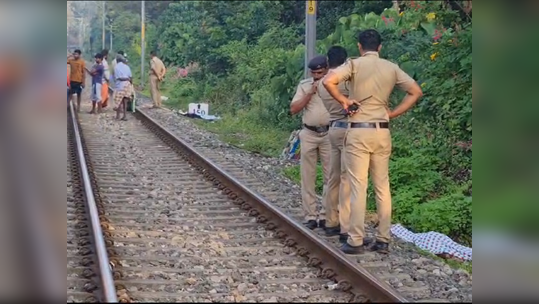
[77, 69]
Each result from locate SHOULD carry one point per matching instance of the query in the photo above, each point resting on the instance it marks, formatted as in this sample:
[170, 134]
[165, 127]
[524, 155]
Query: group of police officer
[346, 118]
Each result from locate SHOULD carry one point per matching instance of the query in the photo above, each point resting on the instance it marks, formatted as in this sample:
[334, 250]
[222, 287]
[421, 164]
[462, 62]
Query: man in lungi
[124, 88]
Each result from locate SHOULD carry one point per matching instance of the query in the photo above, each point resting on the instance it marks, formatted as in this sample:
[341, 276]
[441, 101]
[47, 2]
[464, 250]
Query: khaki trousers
[368, 151]
[338, 193]
[154, 90]
[313, 145]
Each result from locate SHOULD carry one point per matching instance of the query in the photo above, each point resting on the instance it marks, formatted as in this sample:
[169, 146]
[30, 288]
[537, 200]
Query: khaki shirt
[335, 109]
[371, 75]
[157, 65]
[314, 113]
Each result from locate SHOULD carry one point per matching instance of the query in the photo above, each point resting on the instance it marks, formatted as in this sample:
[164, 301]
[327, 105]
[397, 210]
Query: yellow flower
[431, 16]
[435, 43]
[401, 14]
[433, 56]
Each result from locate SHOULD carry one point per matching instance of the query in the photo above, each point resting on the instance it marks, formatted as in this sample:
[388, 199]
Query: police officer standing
[368, 140]
[157, 73]
[314, 140]
[338, 192]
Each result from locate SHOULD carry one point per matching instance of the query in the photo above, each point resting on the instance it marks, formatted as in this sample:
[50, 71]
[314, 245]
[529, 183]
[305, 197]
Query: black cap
[318, 62]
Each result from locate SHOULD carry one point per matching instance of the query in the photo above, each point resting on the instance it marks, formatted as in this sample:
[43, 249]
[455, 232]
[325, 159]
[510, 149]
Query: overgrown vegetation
[248, 59]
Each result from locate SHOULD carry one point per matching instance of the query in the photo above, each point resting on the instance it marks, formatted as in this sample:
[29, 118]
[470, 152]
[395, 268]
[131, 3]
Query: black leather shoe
[312, 224]
[380, 247]
[322, 224]
[368, 241]
[349, 249]
[333, 231]
[343, 237]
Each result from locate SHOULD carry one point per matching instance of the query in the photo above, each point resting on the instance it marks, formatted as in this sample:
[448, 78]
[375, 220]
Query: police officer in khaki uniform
[314, 140]
[338, 193]
[368, 140]
[157, 73]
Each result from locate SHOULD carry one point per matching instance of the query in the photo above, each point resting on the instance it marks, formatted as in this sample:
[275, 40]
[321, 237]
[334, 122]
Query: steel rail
[107, 281]
[351, 276]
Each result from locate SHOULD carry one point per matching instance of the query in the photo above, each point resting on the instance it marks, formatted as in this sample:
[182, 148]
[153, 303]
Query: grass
[237, 130]
[247, 135]
[240, 130]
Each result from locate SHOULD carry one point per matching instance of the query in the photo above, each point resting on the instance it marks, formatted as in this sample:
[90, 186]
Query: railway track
[179, 228]
[77, 232]
[89, 277]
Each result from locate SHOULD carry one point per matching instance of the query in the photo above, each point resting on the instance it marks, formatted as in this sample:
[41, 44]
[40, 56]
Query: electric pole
[103, 24]
[310, 33]
[110, 36]
[81, 33]
[142, 28]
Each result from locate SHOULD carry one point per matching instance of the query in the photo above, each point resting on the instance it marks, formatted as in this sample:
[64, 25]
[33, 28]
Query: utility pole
[81, 33]
[110, 36]
[103, 24]
[142, 28]
[310, 33]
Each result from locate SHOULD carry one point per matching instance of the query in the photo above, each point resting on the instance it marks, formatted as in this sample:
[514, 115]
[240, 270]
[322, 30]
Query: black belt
[356, 125]
[322, 129]
[339, 124]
